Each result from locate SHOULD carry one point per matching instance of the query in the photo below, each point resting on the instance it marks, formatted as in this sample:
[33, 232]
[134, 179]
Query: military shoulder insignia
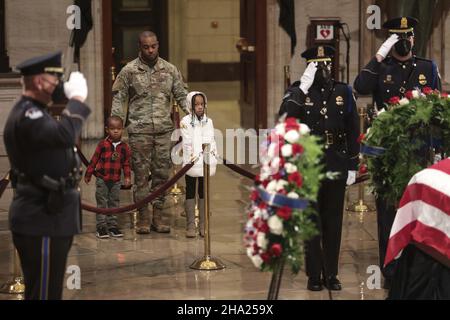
[422, 79]
[339, 101]
[34, 113]
[182, 125]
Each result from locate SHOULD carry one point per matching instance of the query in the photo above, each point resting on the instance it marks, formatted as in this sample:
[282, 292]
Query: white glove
[387, 45]
[76, 86]
[351, 178]
[307, 78]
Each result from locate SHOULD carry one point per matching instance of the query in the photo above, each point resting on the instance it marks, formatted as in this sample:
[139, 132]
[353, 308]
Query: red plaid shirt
[107, 162]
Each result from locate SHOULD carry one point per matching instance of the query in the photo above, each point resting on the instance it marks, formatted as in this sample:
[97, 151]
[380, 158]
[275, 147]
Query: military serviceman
[328, 108]
[386, 76]
[144, 87]
[45, 170]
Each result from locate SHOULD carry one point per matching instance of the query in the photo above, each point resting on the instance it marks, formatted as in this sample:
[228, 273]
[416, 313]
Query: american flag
[423, 216]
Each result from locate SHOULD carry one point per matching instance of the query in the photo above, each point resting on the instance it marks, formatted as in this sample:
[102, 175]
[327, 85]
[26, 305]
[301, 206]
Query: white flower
[275, 164]
[403, 101]
[250, 252]
[380, 112]
[272, 186]
[290, 168]
[257, 261]
[257, 213]
[280, 129]
[281, 184]
[293, 195]
[271, 150]
[415, 94]
[304, 129]
[261, 240]
[292, 136]
[286, 150]
[264, 214]
[275, 225]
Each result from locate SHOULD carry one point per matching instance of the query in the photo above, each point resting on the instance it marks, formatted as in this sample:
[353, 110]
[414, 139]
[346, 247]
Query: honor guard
[395, 69]
[45, 212]
[328, 108]
[392, 72]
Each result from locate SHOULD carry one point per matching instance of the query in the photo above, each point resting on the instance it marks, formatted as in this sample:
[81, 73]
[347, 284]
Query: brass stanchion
[16, 285]
[207, 262]
[360, 205]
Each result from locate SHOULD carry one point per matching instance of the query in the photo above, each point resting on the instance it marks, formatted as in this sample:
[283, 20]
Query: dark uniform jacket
[38, 145]
[391, 78]
[330, 113]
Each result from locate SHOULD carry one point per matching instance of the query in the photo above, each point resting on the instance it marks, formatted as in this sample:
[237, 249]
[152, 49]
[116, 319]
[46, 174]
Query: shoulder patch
[34, 113]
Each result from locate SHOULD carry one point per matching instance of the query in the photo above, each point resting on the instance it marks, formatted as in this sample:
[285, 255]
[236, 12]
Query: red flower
[254, 195]
[277, 176]
[265, 183]
[276, 249]
[409, 94]
[292, 124]
[361, 138]
[394, 100]
[284, 213]
[363, 169]
[265, 257]
[444, 95]
[262, 205]
[297, 149]
[296, 178]
[427, 90]
[264, 228]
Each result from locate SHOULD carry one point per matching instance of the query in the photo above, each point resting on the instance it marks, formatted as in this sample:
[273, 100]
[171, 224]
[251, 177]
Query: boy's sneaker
[115, 232]
[102, 233]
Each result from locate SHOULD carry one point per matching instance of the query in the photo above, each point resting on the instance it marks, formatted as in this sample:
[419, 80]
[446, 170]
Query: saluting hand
[76, 88]
[307, 78]
[386, 47]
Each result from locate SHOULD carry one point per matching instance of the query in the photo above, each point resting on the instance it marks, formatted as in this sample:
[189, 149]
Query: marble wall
[192, 33]
[38, 27]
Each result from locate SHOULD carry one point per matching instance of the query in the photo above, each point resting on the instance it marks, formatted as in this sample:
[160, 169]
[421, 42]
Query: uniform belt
[334, 138]
[49, 183]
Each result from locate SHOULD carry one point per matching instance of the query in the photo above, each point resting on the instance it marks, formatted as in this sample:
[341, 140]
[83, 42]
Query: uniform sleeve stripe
[45, 265]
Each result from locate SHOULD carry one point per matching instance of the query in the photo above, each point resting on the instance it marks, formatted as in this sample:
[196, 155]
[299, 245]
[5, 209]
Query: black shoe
[102, 233]
[115, 233]
[314, 284]
[333, 283]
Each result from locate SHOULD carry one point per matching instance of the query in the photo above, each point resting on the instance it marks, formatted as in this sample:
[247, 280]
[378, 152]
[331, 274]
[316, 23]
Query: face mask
[58, 95]
[323, 75]
[403, 47]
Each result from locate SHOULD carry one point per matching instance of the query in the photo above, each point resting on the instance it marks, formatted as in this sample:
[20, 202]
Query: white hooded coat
[196, 132]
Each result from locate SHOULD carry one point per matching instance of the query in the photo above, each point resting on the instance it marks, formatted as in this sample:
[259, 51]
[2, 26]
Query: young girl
[196, 129]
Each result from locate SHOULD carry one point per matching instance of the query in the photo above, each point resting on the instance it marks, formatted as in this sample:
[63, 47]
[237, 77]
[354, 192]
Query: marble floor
[156, 266]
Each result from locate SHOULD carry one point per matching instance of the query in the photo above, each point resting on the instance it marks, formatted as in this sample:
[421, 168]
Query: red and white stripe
[424, 213]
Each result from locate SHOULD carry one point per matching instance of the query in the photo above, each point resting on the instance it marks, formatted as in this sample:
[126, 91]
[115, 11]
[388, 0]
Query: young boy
[110, 158]
[196, 129]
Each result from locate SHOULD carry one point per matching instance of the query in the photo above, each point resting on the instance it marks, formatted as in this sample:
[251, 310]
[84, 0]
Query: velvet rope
[144, 201]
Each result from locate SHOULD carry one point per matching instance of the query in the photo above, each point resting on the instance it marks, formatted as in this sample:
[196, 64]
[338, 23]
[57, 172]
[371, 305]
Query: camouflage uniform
[145, 92]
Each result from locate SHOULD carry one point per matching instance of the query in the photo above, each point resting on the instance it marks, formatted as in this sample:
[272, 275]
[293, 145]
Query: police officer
[392, 72]
[45, 212]
[145, 86]
[328, 108]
